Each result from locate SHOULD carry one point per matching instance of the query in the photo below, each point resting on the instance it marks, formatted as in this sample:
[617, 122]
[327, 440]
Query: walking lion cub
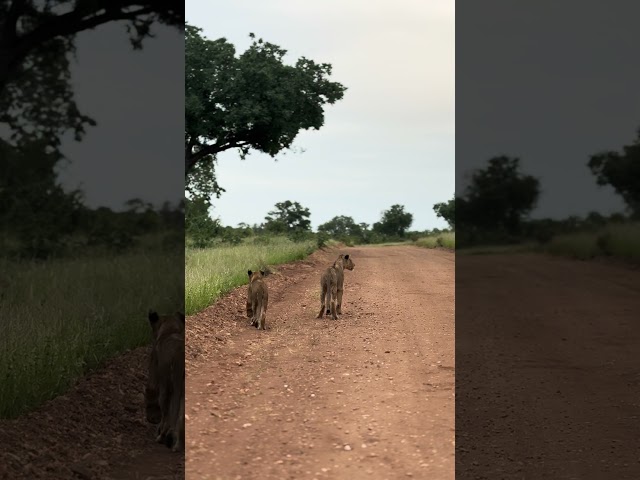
[332, 286]
[257, 299]
[164, 393]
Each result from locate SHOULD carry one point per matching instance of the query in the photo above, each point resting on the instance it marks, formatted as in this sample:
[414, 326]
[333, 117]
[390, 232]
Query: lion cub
[332, 286]
[164, 393]
[257, 299]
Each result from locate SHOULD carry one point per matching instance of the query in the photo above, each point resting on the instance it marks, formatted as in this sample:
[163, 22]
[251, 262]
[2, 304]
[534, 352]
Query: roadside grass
[442, 240]
[59, 319]
[619, 241]
[384, 244]
[212, 272]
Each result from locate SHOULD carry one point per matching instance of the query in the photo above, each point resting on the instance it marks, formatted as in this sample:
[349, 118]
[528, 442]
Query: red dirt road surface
[95, 431]
[548, 385]
[369, 396]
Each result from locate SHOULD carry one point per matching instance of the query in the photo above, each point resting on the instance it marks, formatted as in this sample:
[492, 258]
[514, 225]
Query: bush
[172, 240]
[231, 237]
[116, 240]
[262, 240]
[200, 241]
[348, 241]
[442, 240]
[299, 235]
[322, 239]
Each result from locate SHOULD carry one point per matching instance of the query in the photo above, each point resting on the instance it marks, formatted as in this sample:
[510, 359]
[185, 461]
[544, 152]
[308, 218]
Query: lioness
[347, 262]
[164, 393]
[257, 299]
[332, 286]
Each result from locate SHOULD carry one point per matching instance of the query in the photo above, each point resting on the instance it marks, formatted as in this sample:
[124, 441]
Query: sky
[551, 83]
[137, 98]
[390, 140]
[532, 82]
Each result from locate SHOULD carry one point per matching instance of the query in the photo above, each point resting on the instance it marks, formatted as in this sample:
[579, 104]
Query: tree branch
[205, 150]
[78, 20]
[74, 22]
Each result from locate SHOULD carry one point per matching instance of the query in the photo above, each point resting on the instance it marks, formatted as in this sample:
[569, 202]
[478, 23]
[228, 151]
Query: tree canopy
[341, 226]
[446, 211]
[394, 221]
[251, 101]
[498, 197]
[37, 40]
[621, 170]
[287, 217]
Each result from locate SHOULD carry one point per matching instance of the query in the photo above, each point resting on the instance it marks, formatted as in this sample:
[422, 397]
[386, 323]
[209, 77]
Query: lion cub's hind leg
[323, 294]
[339, 304]
[333, 302]
[256, 313]
[178, 445]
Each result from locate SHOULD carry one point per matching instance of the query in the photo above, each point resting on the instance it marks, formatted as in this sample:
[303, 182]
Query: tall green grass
[212, 272]
[443, 240]
[59, 319]
[620, 241]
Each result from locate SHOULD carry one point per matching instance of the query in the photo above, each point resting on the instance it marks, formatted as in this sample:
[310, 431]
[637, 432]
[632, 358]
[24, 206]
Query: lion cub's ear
[249, 272]
[153, 317]
[180, 315]
[346, 257]
[262, 273]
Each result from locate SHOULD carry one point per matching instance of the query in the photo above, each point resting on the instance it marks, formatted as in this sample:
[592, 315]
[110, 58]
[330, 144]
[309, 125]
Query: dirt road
[369, 396]
[95, 431]
[547, 357]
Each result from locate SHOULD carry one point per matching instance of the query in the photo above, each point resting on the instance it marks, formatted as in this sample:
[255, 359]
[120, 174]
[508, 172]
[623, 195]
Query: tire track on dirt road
[370, 395]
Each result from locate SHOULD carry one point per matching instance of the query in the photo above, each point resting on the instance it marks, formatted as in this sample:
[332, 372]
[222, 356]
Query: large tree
[37, 42]
[621, 170]
[288, 217]
[250, 101]
[447, 211]
[341, 226]
[498, 196]
[38, 105]
[394, 221]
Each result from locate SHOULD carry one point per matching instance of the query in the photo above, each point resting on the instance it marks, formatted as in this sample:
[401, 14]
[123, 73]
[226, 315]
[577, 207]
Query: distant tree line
[291, 219]
[496, 205]
[39, 219]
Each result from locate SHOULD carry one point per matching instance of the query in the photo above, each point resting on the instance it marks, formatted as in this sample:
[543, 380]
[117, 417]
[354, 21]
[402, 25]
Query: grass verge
[212, 272]
[619, 241]
[60, 319]
[442, 240]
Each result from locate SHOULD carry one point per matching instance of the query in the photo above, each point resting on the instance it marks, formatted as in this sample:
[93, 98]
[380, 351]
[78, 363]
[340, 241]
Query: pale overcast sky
[137, 99]
[551, 83]
[391, 140]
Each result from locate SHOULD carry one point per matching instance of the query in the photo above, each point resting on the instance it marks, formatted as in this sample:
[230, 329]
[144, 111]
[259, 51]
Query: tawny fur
[332, 286]
[164, 393]
[257, 299]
